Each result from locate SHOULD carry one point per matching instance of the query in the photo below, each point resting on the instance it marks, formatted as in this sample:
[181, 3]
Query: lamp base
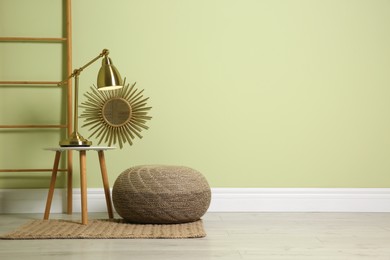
[75, 140]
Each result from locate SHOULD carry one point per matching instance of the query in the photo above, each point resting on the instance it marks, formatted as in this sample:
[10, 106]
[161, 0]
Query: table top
[78, 148]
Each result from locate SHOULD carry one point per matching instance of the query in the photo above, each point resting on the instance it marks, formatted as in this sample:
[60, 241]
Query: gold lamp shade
[108, 77]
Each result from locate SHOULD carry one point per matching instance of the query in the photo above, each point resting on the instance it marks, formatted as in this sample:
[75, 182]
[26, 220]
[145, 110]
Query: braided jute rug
[104, 229]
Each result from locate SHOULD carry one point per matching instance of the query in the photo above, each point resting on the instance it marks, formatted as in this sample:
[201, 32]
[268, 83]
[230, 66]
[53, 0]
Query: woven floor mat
[104, 229]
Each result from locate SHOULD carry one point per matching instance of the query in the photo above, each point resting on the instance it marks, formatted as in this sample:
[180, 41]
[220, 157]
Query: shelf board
[33, 126]
[32, 39]
[31, 170]
[26, 82]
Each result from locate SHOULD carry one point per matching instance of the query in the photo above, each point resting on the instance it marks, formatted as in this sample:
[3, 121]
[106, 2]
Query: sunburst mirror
[115, 115]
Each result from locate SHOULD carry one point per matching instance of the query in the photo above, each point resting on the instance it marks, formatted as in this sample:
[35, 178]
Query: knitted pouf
[157, 194]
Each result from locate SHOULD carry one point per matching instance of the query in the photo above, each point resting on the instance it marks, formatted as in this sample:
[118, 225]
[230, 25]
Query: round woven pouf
[159, 194]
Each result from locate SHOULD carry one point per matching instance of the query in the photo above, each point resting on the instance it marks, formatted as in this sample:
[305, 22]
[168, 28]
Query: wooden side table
[83, 179]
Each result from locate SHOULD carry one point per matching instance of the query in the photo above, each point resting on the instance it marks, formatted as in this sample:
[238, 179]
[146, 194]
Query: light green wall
[261, 93]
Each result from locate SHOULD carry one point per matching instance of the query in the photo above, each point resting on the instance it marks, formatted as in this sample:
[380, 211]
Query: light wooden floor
[330, 236]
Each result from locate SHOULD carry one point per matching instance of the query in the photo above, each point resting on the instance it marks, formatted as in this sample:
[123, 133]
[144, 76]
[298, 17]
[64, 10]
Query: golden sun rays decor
[116, 115]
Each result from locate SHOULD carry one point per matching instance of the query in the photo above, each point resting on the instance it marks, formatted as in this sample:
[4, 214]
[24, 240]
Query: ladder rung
[31, 170]
[29, 83]
[33, 126]
[32, 39]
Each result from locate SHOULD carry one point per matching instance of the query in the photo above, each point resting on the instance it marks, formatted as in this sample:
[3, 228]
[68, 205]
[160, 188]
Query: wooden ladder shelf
[67, 41]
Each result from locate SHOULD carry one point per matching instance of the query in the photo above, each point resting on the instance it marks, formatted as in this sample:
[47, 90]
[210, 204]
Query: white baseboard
[301, 200]
[29, 201]
[223, 200]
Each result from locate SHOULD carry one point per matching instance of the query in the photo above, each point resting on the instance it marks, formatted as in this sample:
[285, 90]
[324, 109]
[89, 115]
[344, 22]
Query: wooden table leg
[69, 198]
[83, 183]
[52, 185]
[106, 186]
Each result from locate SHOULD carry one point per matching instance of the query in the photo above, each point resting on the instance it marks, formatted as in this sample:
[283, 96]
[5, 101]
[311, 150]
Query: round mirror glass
[116, 112]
